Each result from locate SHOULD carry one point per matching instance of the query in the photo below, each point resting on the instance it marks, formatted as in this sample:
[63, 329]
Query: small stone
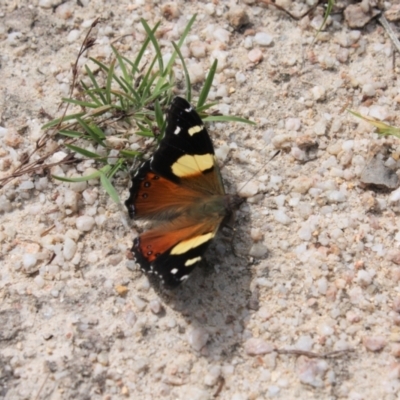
[302, 184]
[378, 112]
[396, 304]
[73, 35]
[69, 248]
[257, 346]
[374, 343]
[356, 17]
[304, 343]
[12, 138]
[255, 56]
[212, 376]
[197, 338]
[377, 174]
[263, 39]
[293, 124]
[282, 217]
[248, 189]
[29, 261]
[342, 55]
[364, 278]
[396, 349]
[196, 72]
[121, 290]
[258, 250]
[393, 13]
[368, 90]
[39, 281]
[319, 93]
[311, 371]
[198, 49]
[139, 303]
[156, 306]
[85, 223]
[221, 35]
[237, 17]
[170, 11]
[102, 358]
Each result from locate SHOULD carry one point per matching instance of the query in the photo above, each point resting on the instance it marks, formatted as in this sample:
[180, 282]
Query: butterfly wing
[181, 188]
[173, 250]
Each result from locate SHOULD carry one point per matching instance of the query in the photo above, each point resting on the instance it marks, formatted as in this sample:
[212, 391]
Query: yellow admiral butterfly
[180, 188]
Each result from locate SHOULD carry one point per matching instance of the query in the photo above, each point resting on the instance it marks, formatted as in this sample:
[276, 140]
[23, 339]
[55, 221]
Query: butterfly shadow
[217, 297]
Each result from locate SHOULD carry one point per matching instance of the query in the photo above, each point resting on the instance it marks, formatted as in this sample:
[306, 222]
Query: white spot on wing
[174, 271]
[184, 277]
[177, 130]
[189, 109]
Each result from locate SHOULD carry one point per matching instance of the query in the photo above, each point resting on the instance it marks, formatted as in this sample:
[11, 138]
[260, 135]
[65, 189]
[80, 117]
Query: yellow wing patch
[192, 261]
[195, 129]
[188, 165]
[186, 245]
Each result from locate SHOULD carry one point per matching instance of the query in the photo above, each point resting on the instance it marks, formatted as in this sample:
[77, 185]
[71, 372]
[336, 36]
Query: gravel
[311, 263]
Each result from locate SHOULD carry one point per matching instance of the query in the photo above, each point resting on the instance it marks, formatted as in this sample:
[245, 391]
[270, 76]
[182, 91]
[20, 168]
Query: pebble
[304, 343]
[393, 13]
[237, 17]
[197, 338]
[255, 56]
[263, 39]
[212, 376]
[29, 261]
[26, 185]
[221, 35]
[258, 250]
[198, 49]
[281, 217]
[69, 248]
[196, 72]
[377, 174]
[65, 11]
[380, 113]
[374, 343]
[39, 281]
[311, 371]
[318, 93]
[85, 223]
[139, 303]
[73, 35]
[368, 90]
[356, 17]
[248, 189]
[156, 306]
[257, 346]
[48, 3]
[302, 184]
[5, 204]
[293, 124]
[170, 11]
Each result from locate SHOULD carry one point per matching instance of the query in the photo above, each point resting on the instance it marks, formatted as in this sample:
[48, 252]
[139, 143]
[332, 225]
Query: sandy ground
[317, 252]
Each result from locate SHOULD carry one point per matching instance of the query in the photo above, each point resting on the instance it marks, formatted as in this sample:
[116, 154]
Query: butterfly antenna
[258, 171]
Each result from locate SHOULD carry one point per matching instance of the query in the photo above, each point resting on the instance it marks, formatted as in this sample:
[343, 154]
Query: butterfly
[180, 190]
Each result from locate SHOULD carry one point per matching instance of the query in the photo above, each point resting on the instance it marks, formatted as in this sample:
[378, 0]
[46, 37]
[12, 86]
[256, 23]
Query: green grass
[127, 93]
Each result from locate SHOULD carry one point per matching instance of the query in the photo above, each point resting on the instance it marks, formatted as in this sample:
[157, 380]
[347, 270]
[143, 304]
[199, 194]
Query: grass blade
[153, 39]
[207, 84]
[185, 70]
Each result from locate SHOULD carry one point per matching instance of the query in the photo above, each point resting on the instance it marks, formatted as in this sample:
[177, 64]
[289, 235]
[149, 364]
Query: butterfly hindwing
[172, 251]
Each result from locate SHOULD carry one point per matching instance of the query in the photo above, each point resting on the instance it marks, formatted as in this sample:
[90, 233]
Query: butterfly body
[180, 190]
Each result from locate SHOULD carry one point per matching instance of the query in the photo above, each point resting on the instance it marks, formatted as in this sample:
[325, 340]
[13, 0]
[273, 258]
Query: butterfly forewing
[180, 188]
